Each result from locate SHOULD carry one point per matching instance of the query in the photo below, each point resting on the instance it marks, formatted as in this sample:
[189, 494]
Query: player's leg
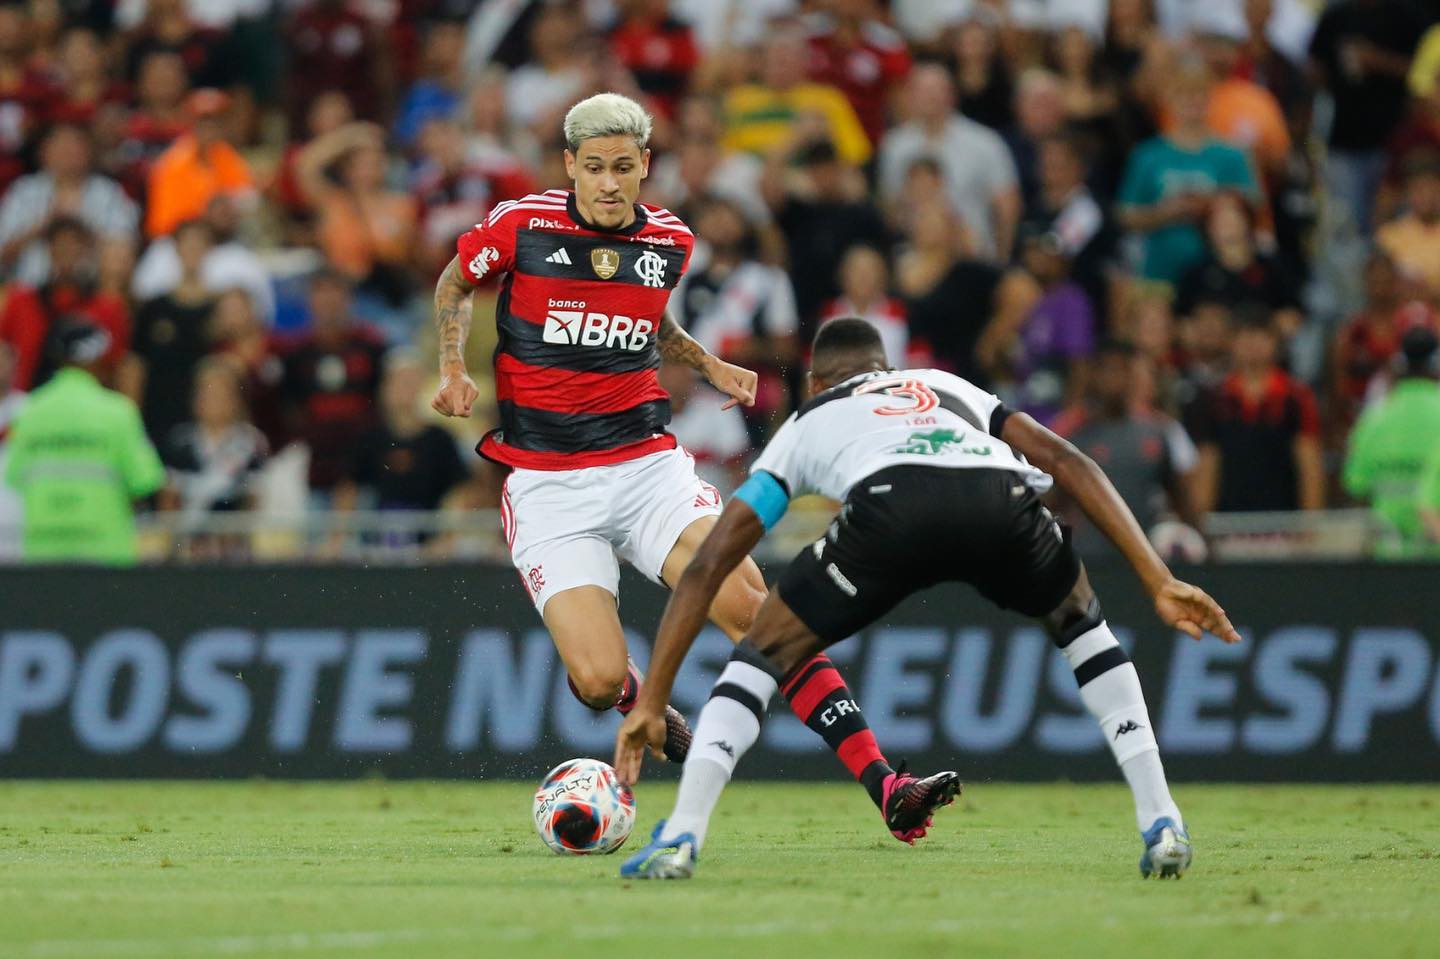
[815, 690]
[573, 577]
[1038, 574]
[1110, 689]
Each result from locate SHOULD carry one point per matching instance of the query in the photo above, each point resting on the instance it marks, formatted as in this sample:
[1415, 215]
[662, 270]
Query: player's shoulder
[660, 222]
[551, 203]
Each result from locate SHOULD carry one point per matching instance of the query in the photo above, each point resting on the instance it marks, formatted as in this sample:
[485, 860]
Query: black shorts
[909, 527]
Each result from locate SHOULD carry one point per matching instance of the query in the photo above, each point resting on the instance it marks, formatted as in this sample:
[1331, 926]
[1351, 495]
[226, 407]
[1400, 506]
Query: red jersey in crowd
[329, 388]
[25, 102]
[28, 316]
[1256, 440]
[660, 54]
[865, 65]
[578, 315]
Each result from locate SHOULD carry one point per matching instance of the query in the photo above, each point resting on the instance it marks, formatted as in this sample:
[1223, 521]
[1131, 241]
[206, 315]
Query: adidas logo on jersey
[577, 328]
[559, 256]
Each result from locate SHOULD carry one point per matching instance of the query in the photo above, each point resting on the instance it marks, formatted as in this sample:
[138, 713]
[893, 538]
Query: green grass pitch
[419, 870]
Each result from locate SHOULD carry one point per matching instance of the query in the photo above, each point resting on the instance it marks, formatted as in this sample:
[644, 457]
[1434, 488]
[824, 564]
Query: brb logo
[579, 327]
[481, 264]
[651, 268]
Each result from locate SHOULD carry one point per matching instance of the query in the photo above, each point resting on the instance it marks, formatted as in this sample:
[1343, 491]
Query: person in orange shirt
[195, 168]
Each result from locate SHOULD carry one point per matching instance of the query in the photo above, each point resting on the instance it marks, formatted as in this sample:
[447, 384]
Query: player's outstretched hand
[1190, 609]
[640, 729]
[455, 395]
[735, 382]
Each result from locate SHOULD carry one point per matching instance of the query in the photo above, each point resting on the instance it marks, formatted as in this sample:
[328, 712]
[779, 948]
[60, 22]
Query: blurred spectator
[365, 229]
[949, 293]
[328, 112]
[79, 457]
[201, 165]
[865, 292]
[172, 334]
[1241, 111]
[1170, 180]
[700, 166]
[1370, 339]
[329, 383]
[1039, 114]
[540, 90]
[85, 84]
[1262, 62]
[980, 176]
[454, 191]
[66, 185]
[1065, 207]
[762, 117]
[437, 93]
[167, 28]
[1035, 353]
[1234, 272]
[332, 47]
[159, 119]
[241, 338]
[984, 92]
[1413, 240]
[229, 263]
[491, 137]
[1087, 89]
[1395, 440]
[25, 93]
[1206, 345]
[657, 49]
[29, 320]
[1258, 432]
[714, 436]
[12, 401]
[723, 26]
[214, 459]
[739, 308]
[1360, 54]
[1147, 455]
[852, 49]
[403, 462]
[822, 213]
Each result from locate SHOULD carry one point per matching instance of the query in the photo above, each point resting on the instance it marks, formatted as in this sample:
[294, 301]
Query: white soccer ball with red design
[582, 807]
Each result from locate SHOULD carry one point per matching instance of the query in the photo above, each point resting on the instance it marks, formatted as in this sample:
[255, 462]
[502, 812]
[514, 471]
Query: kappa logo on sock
[724, 747]
[1128, 726]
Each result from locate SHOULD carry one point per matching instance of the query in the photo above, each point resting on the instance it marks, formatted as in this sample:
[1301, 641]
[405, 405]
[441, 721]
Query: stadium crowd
[1200, 240]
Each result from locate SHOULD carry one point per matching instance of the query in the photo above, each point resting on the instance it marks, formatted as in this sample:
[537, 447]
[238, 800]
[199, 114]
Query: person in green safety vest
[79, 457]
[1392, 444]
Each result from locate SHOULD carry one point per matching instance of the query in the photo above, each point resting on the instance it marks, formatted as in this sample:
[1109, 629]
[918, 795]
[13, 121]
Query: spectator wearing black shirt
[329, 383]
[172, 333]
[1258, 431]
[822, 217]
[403, 462]
[1360, 53]
[1067, 208]
[1234, 272]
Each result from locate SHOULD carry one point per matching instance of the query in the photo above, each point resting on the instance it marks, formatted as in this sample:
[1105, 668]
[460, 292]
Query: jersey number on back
[921, 397]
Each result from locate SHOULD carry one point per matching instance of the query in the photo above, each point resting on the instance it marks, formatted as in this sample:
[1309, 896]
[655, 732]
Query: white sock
[729, 725]
[1110, 689]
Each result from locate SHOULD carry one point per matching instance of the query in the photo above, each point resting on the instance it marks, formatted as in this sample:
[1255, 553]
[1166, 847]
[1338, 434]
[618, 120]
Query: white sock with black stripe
[1110, 689]
[729, 725]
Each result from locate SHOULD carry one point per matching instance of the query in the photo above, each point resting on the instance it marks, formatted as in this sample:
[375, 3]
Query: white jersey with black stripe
[882, 419]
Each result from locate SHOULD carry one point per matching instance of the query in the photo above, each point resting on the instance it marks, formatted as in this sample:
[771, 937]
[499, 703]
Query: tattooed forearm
[677, 346]
[452, 314]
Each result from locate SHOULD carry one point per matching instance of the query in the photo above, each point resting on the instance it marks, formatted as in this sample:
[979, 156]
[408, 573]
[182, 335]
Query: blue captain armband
[766, 495]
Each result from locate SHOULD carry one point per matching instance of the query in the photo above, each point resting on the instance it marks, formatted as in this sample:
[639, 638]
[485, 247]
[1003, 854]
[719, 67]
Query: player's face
[607, 172]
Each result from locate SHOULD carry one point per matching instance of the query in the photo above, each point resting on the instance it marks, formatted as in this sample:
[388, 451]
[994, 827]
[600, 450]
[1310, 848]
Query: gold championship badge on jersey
[605, 261]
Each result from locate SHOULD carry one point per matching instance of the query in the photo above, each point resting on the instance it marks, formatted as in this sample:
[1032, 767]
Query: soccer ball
[582, 808]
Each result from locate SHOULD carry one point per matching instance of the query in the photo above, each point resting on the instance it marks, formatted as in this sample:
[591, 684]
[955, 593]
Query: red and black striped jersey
[578, 314]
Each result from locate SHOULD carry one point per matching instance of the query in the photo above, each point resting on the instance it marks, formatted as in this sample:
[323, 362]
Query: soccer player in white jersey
[939, 481]
[585, 276]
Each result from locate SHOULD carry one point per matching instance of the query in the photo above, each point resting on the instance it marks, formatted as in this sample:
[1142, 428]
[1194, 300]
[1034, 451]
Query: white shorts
[566, 527]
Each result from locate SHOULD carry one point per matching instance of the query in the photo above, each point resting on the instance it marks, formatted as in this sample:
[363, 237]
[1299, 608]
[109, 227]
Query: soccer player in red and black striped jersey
[585, 276]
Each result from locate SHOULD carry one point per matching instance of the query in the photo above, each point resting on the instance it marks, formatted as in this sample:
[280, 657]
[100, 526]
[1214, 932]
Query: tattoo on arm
[452, 313]
[677, 346]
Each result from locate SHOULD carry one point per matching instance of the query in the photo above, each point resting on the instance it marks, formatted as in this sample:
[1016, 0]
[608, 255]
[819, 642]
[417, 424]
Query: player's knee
[596, 687]
[1076, 616]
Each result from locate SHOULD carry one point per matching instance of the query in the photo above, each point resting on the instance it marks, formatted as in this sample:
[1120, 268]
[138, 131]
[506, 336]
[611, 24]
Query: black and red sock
[818, 696]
